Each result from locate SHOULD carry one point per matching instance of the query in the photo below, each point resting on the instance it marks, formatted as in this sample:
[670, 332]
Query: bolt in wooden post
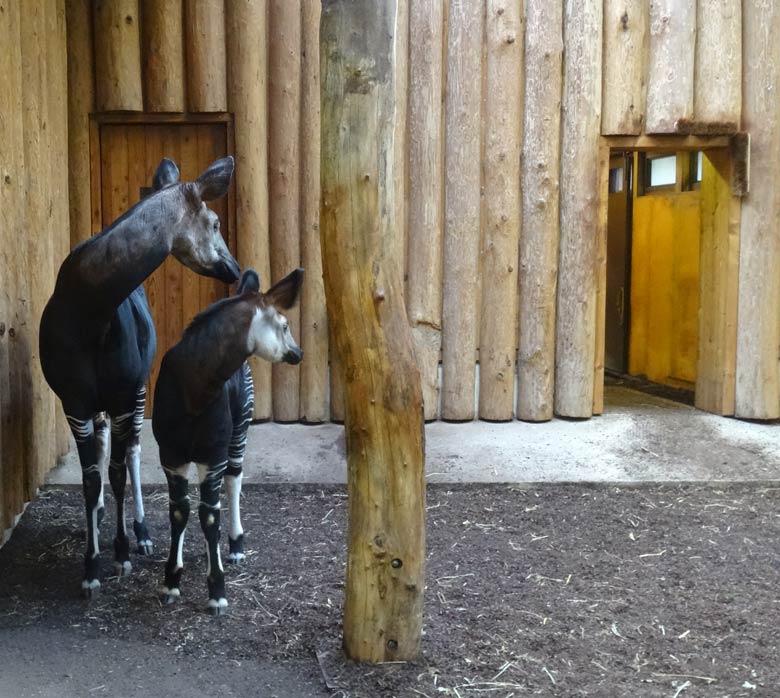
[364, 289]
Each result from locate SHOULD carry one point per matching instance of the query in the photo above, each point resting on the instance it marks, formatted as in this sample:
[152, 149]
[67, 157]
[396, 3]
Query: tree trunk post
[364, 289]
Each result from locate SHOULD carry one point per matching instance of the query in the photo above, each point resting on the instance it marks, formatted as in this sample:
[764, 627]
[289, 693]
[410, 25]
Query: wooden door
[129, 155]
[618, 263]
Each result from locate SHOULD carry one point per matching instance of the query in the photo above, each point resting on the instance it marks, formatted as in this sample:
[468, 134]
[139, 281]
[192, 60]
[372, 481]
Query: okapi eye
[285, 327]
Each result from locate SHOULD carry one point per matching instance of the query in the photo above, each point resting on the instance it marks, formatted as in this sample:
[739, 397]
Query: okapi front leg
[84, 433]
[179, 514]
[209, 513]
[233, 478]
[133, 462]
[101, 444]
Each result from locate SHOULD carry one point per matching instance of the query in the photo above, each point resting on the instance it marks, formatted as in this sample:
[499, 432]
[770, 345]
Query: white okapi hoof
[236, 546]
[90, 588]
[123, 569]
[145, 546]
[217, 607]
[236, 558]
[169, 596]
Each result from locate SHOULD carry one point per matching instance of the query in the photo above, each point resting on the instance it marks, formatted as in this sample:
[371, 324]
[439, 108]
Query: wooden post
[601, 279]
[117, 55]
[575, 347]
[314, 314]
[718, 286]
[284, 95]
[503, 138]
[625, 63]
[14, 320]
[204, 21]
[81, 102]
[463, 181]
[163, 55]
[718, 80]
[425, 148]
[758, 327]
[671, 64]
[247, 83]
[59, 222]
[384, 425]
[539, 237]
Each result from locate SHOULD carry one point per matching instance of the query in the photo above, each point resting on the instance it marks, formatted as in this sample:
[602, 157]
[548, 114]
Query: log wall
[34, 231]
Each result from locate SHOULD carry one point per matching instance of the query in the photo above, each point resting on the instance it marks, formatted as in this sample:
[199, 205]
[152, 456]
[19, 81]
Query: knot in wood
[379, 295]
[624, 21]
[128, 19]
[2, 329]
[11, 332]
[510, 38]
[8, 179]
[397, 563]
[392, 645]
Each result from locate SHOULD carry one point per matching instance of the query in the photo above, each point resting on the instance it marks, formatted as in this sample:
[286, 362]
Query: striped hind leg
[210, 477]
[133, 462]
[234, 473]
[84, 433]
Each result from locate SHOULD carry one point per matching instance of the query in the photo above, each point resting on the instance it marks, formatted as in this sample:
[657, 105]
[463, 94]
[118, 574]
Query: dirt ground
[555, 590]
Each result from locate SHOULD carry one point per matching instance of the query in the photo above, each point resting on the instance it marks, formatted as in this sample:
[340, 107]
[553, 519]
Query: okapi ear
[284, 293]
[215, 180]
[249, 283]
[165, 174]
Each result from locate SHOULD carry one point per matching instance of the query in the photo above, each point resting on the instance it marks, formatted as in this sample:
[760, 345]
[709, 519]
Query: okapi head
[197, 241]
[269, 334]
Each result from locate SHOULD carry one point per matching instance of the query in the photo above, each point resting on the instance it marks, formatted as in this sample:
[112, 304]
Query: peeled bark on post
[758, 328]
[314, 314]
[670, 64]
[117, 56]
[503, 138]
[247, 83]
[718, 80]
[540, 222]
[463, 180]
[284, 85]
[384, 425]
[81, 102]
[425, 148]
[204, 22]
[575, 347]
[163, 55]
[625, 62]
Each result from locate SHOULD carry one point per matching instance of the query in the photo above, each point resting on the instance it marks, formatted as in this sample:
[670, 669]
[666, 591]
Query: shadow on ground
[554, 590]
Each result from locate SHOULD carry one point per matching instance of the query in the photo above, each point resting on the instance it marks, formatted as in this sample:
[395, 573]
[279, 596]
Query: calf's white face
[270, 338]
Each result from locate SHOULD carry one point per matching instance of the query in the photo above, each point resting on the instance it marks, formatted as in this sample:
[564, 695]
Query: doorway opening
[671, 272]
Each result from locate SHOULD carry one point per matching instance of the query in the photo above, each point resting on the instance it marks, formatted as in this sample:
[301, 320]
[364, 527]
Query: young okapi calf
[97, 338]
[203, 404]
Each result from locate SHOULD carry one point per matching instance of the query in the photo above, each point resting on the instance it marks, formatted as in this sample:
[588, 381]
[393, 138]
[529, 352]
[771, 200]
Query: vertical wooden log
[247, 83]
[81, 102]
[625, 65]
[314, 314]
[15, 398]
[384, 425]
[718, 80]
[57, 125]
[117, 56]
[41, 248]
[758, 328]
[670, 64]
[462, 208]
[540, 207]
[425, 148]
[284, 96]
[204, 22]
[718, 284]
[578, 255]
[503, 138]
[163, 55]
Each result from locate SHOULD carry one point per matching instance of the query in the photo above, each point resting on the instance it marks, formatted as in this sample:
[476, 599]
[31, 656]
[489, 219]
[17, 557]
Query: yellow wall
[665, 287]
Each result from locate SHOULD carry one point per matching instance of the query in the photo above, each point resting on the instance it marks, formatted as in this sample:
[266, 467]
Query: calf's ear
[283, 294]
[166, 173]
[249, 282]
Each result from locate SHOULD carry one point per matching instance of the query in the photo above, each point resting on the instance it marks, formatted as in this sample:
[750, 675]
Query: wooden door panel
[129, 155]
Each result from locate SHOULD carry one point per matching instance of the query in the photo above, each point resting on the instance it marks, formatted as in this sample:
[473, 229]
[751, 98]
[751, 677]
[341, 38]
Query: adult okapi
[97, 338]
[203, 404]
